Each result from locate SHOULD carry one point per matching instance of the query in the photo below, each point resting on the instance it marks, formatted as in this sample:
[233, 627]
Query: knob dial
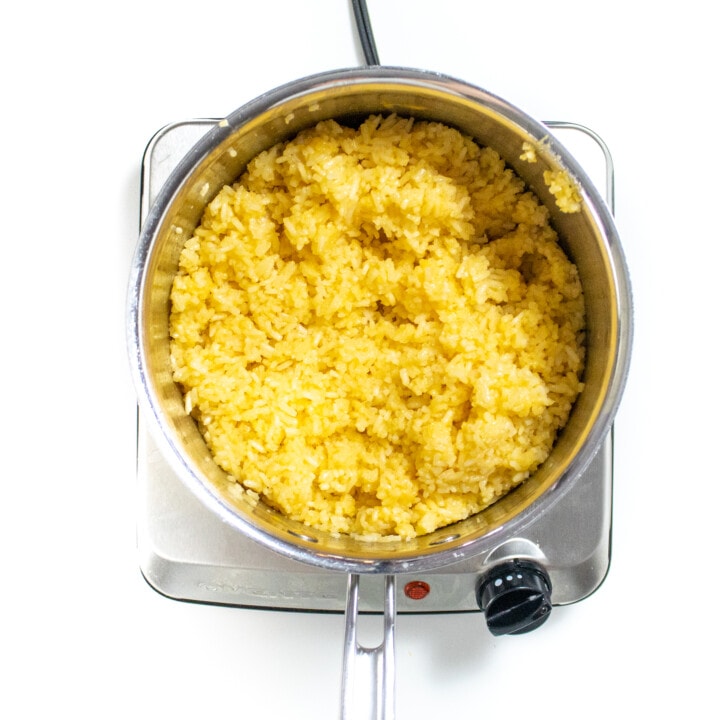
[515, 597]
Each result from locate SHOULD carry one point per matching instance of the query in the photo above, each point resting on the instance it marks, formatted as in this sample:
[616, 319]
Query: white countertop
[84, 87]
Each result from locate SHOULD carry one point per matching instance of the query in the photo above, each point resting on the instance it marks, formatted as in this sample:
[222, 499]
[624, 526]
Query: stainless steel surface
[499, 532]
[590, 238]
[368, 675]
[187, 553]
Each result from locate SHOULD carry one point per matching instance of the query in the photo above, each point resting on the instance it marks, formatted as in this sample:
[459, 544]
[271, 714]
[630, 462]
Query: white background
[84, 86]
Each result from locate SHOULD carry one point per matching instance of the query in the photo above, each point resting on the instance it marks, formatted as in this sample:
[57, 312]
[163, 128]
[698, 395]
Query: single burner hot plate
[187, 553]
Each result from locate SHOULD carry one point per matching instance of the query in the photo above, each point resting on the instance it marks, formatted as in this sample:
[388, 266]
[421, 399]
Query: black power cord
[364, 29]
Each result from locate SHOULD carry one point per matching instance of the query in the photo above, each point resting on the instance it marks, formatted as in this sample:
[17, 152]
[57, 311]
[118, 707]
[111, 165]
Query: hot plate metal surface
[187, 553]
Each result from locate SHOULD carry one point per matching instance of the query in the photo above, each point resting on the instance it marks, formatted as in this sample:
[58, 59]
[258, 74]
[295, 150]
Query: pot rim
[302, 546]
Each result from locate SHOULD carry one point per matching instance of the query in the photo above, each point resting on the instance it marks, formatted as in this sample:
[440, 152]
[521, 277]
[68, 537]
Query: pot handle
[368, 678]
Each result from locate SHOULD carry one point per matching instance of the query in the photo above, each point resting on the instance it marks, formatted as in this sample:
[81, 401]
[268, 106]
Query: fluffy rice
[376, 329]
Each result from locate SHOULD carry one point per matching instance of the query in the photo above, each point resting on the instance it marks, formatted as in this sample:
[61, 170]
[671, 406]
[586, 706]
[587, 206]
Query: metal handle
[368, 679]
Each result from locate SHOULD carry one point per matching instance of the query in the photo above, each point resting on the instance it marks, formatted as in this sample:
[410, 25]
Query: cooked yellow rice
[376, 329]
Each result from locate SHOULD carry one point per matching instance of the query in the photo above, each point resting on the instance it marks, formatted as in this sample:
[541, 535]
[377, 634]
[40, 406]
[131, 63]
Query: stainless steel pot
[589, 237]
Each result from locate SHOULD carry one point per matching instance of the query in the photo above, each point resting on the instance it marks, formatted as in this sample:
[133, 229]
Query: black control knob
[515, 597]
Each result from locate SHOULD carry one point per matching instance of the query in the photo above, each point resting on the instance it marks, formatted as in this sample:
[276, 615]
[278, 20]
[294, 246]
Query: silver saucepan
[589, 237]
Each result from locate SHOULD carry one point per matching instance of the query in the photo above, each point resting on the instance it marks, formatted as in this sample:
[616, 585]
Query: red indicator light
[417, 590]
